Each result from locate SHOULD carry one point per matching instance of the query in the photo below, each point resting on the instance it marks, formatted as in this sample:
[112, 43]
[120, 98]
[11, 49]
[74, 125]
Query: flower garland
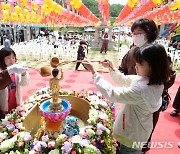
[95, 138]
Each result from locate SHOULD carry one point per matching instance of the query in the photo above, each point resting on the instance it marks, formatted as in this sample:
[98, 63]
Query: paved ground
[114, 56]
[93, 55]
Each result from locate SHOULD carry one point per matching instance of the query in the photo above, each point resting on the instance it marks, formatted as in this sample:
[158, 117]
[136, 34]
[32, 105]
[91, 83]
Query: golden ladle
[55, 62]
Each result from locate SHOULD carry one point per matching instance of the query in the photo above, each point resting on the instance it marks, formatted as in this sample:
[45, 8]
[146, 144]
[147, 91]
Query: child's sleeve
[121, 79]
[126, 95]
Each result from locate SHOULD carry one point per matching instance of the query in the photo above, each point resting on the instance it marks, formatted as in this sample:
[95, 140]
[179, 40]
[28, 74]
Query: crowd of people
[143, 80]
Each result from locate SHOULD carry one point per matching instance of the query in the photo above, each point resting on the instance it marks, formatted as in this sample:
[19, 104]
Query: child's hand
[88, 65]
[108, 64]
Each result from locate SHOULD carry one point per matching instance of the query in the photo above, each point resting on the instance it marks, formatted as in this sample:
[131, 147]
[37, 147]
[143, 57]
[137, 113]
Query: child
[10, 96]
[80, 53]
[140, 94]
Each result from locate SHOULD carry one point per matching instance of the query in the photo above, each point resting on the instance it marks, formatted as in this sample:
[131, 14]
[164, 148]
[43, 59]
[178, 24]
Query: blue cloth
[126, 150]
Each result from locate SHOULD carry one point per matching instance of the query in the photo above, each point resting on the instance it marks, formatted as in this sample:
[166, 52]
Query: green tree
[115, 9]
[92, 5]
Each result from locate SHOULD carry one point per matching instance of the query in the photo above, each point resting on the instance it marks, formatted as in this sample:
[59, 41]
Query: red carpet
[167, 130]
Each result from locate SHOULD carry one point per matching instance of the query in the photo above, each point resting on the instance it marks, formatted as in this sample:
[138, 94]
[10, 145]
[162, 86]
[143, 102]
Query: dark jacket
[128, 63]
[176, 103]
[5, 79]
[81, 53]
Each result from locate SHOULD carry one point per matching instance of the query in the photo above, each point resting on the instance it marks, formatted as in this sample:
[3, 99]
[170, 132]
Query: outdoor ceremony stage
[167, 130]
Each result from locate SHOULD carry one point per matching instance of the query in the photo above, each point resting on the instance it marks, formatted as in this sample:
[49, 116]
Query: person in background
[174, 45]
[176, 104]
[46, 33]
[17, 37]
[140, 94]
[105, 39]
[7, 42]
[81, 53]
[10, 96]
[144, 31]
[178, 45]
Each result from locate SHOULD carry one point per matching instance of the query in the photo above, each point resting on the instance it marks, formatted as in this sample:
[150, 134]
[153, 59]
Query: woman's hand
[108, 64]
[88, 65]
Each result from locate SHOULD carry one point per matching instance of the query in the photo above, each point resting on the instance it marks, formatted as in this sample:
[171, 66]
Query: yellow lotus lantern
[23, 3]
[175, 5]
[59, 9]
[108, 24]
[26, 12]
[21, 18]
[17, 9]
[129, 23]
[34, 6]
[76, 3]
[27, 19]
[115, 24]
[95, 24]
[43, 9]
[54, 5]
[39, 19]
[48, 1]
[132, 3]
[48, 11]
[8, 7]
[33, 19]
[3, 6]
[14, 17]
[157, 2]
[72, 3]
[6, 16]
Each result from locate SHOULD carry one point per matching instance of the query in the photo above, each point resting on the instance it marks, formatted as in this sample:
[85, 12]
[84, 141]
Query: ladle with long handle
[55, 62]
[46, 70]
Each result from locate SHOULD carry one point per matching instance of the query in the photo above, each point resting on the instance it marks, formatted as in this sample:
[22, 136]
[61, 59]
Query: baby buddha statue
[55, 105]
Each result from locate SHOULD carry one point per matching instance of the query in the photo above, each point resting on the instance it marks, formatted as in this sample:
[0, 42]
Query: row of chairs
[175, 56]
[36, 50]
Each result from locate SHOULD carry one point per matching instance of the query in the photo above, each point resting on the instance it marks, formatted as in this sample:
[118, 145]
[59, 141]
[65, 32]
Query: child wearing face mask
[140, 94]
[10, 95]
[144, 31]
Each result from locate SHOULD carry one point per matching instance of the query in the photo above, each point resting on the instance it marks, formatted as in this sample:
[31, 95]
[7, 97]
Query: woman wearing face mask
[144, 31]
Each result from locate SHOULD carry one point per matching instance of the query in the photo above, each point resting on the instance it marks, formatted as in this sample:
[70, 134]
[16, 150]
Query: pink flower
[23, 113]
[20, 144]
[51, 144]
[15, 132]
[1, 140]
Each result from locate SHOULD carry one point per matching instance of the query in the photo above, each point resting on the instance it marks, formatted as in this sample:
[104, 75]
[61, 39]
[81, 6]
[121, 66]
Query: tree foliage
[115, 9]
[92, 5]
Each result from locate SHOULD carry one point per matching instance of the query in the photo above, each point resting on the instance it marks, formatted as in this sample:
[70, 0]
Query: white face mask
[139, 40]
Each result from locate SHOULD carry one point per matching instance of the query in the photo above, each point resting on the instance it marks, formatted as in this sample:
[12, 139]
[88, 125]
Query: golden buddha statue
[54, 85]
